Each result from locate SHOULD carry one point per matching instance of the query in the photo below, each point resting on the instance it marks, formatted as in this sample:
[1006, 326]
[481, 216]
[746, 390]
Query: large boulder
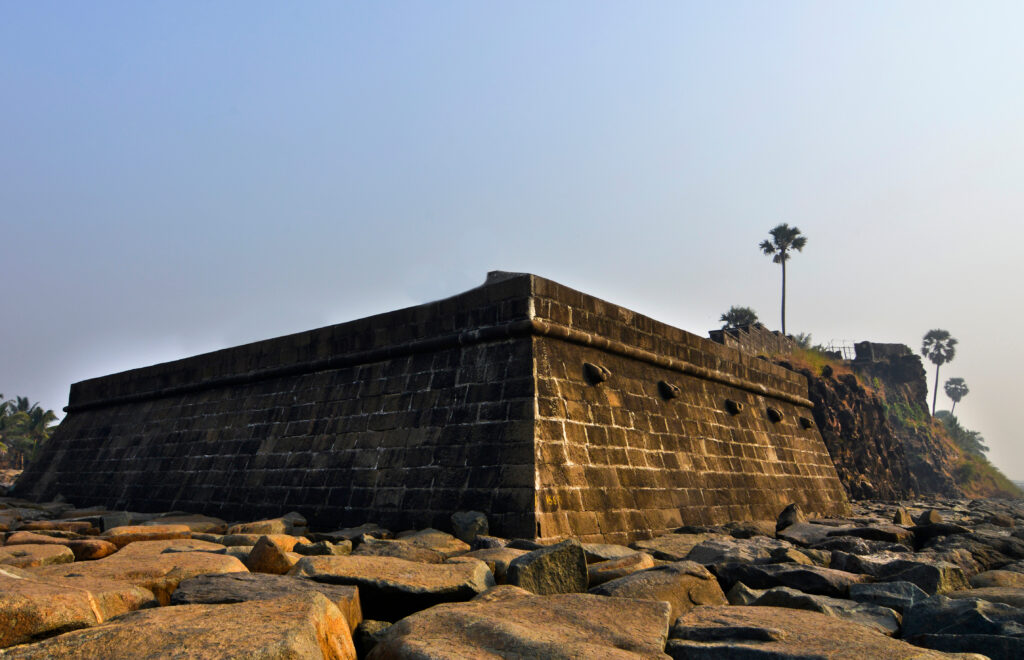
[271, 556]
[809, 579]
[468, 525]
[554, 627]
[391, 588]
[497, 559]
[32, 607]
[297, 626]
[556, 569]
[672, 547]
[32, 555]
[966, 625]
[122, 536]
[882, 619]
[242, 587]
[399, 549]
[894, 595]
[707, 633]
[439, 541]
[729, 549]
[157, 573]
[613, 569]
[1012, 596]
[683, 585]
[998, 578]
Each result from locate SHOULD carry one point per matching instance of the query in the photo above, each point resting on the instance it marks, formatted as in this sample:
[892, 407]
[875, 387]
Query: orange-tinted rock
[31, 607]
[122, 536]
[30, 556]
[286, 540]
[76, 526]
[301, 626]
[149, 548]
[511, 625]
[271, 555]
[87, 549]
[25, 538]
[683, 585]
[158, 573]
[613, 569]
[197, 523]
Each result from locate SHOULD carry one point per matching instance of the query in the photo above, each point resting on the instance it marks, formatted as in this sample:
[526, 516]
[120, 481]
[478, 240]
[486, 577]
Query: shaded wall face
[618, 461]
[403, 442]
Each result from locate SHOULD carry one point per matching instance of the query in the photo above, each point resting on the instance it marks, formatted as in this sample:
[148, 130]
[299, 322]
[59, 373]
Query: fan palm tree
[737, 316]
[956, 389]
[939, 347]
[784, 239]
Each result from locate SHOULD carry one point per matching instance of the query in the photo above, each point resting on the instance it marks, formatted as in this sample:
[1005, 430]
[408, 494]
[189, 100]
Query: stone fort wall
[553, 411]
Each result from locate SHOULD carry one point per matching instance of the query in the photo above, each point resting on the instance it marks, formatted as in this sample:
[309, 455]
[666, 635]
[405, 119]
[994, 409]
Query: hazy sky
[178, 177]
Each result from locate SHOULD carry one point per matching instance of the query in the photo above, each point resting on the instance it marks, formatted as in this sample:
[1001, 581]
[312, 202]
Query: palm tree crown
[939, 347]
[737, 316]
[784, 239]
[956, 389]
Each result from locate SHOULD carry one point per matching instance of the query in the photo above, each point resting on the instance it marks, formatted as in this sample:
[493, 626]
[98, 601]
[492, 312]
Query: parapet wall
[553, 411]
[755, 339]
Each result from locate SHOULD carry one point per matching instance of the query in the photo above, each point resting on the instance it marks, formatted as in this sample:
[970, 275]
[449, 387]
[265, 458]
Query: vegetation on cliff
[874, 418]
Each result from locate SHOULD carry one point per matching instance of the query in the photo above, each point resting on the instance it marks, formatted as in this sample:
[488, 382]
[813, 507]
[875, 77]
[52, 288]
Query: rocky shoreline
[914, 579]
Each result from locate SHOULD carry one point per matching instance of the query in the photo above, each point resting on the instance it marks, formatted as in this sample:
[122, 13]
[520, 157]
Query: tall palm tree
[784, 239]
[939, 347]
[956, 389]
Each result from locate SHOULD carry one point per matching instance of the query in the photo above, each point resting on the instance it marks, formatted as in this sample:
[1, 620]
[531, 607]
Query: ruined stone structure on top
[554, 412]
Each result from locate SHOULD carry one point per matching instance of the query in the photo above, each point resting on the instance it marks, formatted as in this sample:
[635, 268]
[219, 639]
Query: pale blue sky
[177, 177]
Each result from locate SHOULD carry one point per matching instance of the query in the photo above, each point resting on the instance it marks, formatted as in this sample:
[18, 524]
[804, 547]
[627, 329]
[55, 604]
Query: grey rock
[673, 547]
[809, 579]
[598, 552]
[789, 516]
[741, 594]
[487, 543]
[467, 525]
[882, 619]
[555, 569]
[401, 549]
[940, 615]
[1012, 596]
[368, 634]
[998, 578]
[805, 533]
[343, 547]
[683, 585]
[880, 532]
[729, 549]
[894, 595]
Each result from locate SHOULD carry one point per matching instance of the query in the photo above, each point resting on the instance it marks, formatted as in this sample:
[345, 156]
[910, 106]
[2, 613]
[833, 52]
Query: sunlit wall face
[178, 178]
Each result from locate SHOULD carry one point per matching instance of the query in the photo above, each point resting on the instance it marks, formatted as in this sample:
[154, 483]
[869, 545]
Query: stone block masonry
[554, 412]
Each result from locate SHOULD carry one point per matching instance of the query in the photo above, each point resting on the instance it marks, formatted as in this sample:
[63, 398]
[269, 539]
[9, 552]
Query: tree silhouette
[784, 239]
[737, 316]
[24, 427]
[956, 389]
[939, 347]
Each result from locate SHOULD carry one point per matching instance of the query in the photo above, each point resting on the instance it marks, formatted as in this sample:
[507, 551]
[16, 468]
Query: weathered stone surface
[672, 547]
[614, 569]
[557, 569]
[438, 541]
[468, 525]
[251, 539]
[878, 532]
[270, 555]
[902, 517]
[301, 626]
[195, 522]
[353, 533]
[789, 516]
[599, 552]
[150, 548]
[31, 608]
[728, 549]
[789, 556]
[933, 577]
[399, 549]
[79, 527]
[555, 627]
[263, 527]
[809, 579]
[31, 538]
[243, 587]
[29, 556]
[683, 585]
[805, 533]
[712, 633]
[998, 578]
[894, 595]
[1012, 596]
[929, 517]
[368, 635]
[741, 594]
[882, 619]
[122, 536]
[86, 549]
[157, 573]
[392, 588]
[497, 559]
[488, 542]
[966, 625]
[323, 548]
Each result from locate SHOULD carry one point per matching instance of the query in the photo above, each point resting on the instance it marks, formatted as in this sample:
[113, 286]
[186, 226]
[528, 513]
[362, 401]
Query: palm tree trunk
[953, 408]
[935, 394]
[783, 293]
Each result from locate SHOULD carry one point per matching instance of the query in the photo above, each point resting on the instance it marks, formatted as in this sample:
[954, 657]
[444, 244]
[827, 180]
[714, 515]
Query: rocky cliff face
[874, 419]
